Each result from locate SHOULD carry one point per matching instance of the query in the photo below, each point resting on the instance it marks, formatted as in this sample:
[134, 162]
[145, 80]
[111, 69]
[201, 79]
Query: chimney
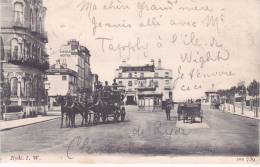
[159, 64]
[57, 65]
[152, 62]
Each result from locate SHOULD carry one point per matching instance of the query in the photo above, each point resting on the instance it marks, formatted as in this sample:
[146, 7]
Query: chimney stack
[152, 61]
[124, 62]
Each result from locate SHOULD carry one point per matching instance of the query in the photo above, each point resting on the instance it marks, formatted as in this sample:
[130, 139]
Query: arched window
[14, 87]
[31, 19]
[40, 54]
[28, 88]
[34, 51]
[40, 25]
[23, 88]
[36, 20]
[15, 50]
[18, 13]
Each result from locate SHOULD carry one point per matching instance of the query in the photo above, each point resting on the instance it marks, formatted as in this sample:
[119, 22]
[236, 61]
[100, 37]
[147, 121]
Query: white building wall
[57, 85]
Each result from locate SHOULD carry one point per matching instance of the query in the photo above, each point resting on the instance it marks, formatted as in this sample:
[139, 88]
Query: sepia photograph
[129, 81]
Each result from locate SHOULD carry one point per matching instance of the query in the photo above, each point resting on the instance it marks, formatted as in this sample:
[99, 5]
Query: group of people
[72, 105]
[99, 86]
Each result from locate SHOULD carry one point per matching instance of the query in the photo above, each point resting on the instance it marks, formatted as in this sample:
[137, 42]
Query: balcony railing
[43, 36]
[167, 87]
[19, 24]
[30, 63]
[146, 88]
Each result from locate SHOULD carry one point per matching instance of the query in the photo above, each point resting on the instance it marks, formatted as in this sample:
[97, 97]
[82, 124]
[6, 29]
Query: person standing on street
[168, 109]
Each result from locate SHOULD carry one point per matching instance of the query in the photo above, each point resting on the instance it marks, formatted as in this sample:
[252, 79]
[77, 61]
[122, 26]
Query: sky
[238, 33]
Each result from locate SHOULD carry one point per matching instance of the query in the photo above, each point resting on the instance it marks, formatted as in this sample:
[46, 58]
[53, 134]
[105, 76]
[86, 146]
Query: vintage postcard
[130, 81]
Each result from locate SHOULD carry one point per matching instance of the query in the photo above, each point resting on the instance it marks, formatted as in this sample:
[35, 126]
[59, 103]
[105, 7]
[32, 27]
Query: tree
[253, 90]
[241, 90]
[232, 93]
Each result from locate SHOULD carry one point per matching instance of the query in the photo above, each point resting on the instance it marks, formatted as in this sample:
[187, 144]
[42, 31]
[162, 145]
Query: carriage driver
[114, 85]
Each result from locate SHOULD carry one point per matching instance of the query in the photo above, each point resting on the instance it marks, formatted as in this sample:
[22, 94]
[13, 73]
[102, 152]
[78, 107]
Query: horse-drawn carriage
[189, 111]
[99, 106]
[114, 105]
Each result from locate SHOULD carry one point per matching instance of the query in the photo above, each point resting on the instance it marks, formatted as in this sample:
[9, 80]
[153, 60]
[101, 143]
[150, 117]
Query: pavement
[248, 114]
[142, 133]
[7, 125]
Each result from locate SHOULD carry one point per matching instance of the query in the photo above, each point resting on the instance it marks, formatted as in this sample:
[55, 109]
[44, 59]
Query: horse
[76, 108]
[64, 110]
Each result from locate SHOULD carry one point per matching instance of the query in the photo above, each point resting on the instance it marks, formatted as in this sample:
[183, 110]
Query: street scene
[127, 78]
[141, 133]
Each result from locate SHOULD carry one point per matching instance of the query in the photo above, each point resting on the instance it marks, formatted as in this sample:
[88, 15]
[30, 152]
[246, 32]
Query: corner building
[25, 57]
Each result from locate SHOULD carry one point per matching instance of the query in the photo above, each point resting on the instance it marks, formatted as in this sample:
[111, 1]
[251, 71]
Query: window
[36, 20]
[18, 13]
[166, 82]
[129, 75]
[14, 87]
[156, 74]
[40, 25]
[130, 83]
[29, 92]
[136, 82]
[119, 75]
[64, 77]
[142, 75]
[166, 74]
[15, 51]
[156, 84]
[31, 19]
[23, 88]
[120, 83]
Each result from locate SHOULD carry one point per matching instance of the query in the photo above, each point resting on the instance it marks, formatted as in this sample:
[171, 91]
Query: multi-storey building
[77, 58]
[24, 39]
[60, 82]
[147, 85]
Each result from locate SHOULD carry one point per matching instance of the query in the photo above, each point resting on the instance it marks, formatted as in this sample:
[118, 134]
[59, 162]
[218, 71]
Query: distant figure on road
[168, 109]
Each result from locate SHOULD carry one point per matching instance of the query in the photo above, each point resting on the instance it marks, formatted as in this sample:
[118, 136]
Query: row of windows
[36, 22]
[130, 75]
[23, 49]
[143, 84]
[27, 88]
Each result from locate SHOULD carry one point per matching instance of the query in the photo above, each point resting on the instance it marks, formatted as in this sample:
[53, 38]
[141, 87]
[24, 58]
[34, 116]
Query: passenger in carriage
[114, 85]
[107, 87]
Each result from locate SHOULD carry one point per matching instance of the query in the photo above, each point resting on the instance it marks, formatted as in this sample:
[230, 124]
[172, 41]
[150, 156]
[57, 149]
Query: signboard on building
[65, 51]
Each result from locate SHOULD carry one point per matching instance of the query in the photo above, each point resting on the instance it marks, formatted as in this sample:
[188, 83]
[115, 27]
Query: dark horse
[64, 103]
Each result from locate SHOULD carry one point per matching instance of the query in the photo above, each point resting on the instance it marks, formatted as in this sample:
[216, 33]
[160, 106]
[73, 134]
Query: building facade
[25, 58]
[60, 82]
[77, 58]
[146, 86]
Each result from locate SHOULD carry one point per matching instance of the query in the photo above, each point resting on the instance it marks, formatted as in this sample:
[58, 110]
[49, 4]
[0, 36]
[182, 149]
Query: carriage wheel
[95, 118]
[104, 117]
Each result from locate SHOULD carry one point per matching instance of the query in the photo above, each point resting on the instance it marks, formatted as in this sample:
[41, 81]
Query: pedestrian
[168, 109]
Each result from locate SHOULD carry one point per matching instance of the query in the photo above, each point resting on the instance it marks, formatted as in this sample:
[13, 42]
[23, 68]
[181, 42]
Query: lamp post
[46, 89]
[2, 61]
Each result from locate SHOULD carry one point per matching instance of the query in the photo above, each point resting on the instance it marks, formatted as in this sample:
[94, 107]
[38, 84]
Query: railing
[167, 87]
[31, 63]
[151, 88]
